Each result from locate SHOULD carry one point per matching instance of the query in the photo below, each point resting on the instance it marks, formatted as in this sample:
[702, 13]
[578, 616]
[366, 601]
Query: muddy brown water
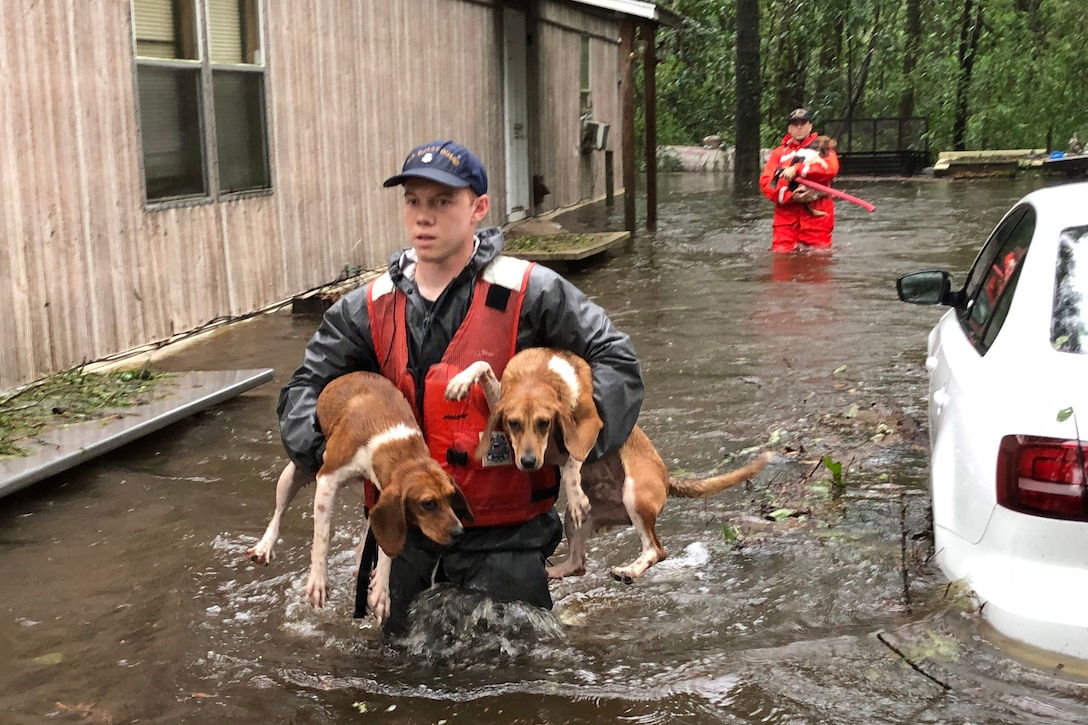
[126, 597]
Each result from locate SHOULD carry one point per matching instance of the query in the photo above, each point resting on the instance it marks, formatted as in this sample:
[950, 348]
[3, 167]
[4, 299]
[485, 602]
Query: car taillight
[1043, 476]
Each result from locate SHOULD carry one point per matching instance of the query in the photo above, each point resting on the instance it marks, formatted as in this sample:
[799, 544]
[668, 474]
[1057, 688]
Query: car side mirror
[932, 287]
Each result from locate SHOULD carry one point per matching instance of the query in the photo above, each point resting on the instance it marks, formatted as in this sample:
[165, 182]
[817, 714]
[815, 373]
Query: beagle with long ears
[541, 394]
[370, 433]
[544, 405]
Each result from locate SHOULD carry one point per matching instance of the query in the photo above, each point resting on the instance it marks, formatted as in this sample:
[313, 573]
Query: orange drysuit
[796, 223]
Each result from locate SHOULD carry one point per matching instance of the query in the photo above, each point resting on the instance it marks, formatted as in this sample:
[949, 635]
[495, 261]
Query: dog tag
[499, 451]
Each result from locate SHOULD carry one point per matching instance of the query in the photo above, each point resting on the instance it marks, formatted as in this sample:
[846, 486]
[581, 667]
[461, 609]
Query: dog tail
[703, 487]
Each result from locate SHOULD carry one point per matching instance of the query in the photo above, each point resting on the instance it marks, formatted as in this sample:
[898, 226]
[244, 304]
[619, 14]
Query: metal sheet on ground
[61, 449]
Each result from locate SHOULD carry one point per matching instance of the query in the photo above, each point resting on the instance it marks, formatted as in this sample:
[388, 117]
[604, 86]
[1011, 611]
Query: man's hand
[789, 172]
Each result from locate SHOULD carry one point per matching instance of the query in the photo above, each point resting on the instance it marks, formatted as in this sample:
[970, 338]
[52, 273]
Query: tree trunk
[970, 30]
[863, 73]
[746, 164]
[910, 56]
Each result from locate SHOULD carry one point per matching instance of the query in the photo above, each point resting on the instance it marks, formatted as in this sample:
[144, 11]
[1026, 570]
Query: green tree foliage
[695, 83]
[1012, 71]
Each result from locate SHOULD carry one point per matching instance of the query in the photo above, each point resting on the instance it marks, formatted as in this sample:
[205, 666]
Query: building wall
[87, 272]
[355, 85]
[571, 175]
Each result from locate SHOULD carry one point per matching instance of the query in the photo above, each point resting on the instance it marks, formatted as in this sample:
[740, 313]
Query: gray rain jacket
[554, 313]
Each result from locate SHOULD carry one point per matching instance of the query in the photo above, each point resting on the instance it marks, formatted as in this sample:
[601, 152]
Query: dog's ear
[459, 504]
[494, 422]
[580, 427]
[388, 522]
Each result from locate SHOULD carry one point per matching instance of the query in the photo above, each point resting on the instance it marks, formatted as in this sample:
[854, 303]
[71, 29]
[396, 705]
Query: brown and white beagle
[370, 434]
[544, 404]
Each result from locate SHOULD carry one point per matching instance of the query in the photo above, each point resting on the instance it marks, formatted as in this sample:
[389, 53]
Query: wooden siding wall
[86, 272]
[356, 86]
[570, 175]
[68, 197]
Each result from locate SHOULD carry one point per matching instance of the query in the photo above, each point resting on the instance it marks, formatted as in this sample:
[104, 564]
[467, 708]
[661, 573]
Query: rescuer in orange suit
[802, 216]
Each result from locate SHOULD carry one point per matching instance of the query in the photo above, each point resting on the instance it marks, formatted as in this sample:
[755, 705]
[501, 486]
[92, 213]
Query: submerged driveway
[804, 597]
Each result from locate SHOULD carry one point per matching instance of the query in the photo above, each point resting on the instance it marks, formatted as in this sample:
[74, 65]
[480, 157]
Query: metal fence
[888, 145]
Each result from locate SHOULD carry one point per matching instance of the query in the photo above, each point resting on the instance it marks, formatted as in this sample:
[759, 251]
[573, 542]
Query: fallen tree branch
[916, 668]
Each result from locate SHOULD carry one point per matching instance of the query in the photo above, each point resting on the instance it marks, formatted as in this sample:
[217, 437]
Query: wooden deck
[58, 450]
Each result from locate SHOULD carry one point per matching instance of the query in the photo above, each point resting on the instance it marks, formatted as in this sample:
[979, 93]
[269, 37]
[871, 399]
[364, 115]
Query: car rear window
[1069, 320]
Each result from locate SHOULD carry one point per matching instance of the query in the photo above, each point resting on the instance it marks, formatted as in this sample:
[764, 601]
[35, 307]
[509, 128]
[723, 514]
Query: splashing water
[467, 628]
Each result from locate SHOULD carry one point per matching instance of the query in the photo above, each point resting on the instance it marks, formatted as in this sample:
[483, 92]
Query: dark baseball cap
[800, 114]
[447, 163]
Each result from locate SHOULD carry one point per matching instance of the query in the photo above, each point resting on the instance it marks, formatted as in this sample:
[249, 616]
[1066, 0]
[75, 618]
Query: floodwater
[126, 596]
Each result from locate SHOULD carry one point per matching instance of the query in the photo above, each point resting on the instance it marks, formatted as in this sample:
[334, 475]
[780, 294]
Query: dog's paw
[563, 570]
[317, 589]
[460, 384]
[260, 554]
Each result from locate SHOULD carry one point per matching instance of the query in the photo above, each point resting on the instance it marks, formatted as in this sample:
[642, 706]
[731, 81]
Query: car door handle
[931, 363]
[940, 399]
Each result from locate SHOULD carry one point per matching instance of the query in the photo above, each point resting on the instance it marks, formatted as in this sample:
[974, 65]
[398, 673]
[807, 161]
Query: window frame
[205, 68]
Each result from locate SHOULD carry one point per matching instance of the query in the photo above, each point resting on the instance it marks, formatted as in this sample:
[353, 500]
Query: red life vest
[497, 491]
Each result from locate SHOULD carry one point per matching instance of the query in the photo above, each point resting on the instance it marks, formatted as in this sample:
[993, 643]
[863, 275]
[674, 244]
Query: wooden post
[649, 66]
[609, 179]
[627, 140]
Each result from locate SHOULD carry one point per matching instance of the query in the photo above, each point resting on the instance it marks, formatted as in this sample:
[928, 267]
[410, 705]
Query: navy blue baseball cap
[447, 163]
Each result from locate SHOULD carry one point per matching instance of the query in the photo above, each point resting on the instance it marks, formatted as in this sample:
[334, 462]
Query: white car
[1008, 421]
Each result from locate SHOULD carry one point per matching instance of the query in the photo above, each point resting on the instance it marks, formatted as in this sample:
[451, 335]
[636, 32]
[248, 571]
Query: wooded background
[987, 74]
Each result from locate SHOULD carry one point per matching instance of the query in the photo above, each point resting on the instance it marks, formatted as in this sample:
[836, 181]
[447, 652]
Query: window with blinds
[200, 80]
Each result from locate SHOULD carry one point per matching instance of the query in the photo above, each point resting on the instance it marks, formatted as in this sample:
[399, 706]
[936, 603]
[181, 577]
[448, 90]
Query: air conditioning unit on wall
[594, 136]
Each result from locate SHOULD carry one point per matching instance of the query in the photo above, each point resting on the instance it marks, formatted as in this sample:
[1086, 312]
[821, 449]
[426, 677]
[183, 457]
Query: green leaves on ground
[838, 480]
[70, 397]
[547, 243]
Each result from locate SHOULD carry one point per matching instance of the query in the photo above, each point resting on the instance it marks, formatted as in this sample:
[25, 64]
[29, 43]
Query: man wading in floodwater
[445, 302]
[801, 216]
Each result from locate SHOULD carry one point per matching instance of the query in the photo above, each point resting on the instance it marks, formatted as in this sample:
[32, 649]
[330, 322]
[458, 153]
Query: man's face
[800, 130]
[441, 220]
